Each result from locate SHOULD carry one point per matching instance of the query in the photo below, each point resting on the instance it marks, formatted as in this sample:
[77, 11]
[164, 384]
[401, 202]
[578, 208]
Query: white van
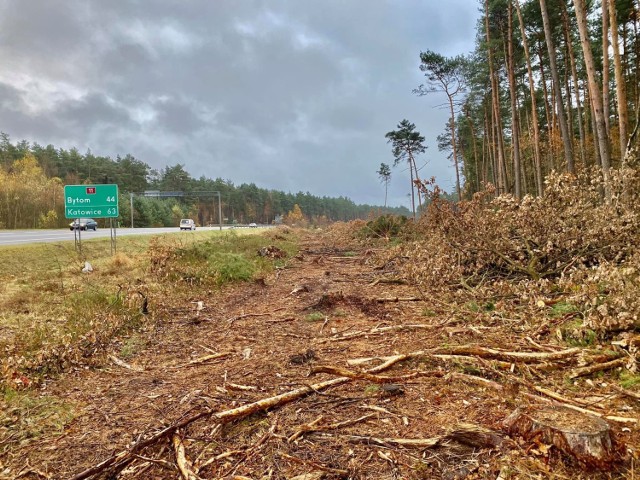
[187, 224]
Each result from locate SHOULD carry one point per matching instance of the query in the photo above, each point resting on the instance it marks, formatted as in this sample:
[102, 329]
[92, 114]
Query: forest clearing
[381, 349]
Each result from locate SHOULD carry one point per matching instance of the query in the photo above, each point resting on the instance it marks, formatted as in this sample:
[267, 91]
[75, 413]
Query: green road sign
[96, 201]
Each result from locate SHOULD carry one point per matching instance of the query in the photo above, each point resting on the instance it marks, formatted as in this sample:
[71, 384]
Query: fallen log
[380, 331]
[482, 352]
[586, 438]
[123, 364]
[626, 392]
[200, 360]
[397, 281]
[598, 367]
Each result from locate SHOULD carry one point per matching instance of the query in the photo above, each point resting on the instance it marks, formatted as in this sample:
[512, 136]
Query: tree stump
[586, 438]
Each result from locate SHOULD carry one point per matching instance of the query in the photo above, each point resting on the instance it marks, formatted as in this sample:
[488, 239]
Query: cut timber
[598, 367]
[586, 438]
[186, 470]
[482, 352]
[380, 331]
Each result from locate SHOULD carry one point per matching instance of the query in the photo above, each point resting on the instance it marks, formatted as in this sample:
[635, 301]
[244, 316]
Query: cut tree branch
[125, 456]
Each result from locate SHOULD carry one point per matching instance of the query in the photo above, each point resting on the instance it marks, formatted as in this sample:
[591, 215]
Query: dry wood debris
[403, 387]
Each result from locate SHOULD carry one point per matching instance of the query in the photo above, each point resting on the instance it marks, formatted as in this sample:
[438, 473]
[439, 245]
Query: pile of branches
[572, 238]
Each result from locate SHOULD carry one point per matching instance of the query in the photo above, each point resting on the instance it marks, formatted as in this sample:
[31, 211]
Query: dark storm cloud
[10, 99]
[92, 109]
[293, 95]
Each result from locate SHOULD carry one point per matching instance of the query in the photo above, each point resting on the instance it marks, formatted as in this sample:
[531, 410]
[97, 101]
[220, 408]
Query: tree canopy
[32, 178]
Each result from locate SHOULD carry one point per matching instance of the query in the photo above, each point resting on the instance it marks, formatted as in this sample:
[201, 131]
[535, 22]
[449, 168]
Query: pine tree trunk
[562, 120]
[621, 94]
[475, 147]
[576, 83]
[452, 128]
[486, 146]
[594, 130]
[515, 128]
[495, 100]
[605, 64]
[413, 200]
[412, 162]
[537, 156]
[596, 100]
[547, 108]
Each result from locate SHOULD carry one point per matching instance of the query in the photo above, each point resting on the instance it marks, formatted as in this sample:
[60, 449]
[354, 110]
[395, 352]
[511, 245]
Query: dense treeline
[551, 85]
[32, 178]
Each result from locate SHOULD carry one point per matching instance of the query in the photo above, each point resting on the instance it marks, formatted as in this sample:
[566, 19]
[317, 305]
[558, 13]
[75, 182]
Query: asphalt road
[22, 237]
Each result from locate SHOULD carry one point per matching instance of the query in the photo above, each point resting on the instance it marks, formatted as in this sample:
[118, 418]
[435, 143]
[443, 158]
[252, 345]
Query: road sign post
[94, 201]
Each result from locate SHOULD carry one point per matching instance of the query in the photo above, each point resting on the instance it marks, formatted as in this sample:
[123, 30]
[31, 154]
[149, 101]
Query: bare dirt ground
[436, 415]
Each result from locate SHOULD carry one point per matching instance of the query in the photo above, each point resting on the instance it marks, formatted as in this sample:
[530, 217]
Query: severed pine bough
[121, 460]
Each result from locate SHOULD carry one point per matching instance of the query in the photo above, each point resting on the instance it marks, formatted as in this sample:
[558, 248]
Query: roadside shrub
[221, 259]
[50, 220]
[384, 226]
[230, 267]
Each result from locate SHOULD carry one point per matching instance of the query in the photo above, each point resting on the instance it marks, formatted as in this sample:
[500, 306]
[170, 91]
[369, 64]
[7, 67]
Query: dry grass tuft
[121, 260]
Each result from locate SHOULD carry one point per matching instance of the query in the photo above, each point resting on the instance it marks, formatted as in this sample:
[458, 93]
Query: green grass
[25, 415]
[315, 317]
[485, 307]
[225, 258]
[577, 335]
[371, 389]
[628, 379]
[561, 309]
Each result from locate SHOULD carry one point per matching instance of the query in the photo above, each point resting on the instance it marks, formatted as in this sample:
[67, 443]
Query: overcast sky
[293, 95]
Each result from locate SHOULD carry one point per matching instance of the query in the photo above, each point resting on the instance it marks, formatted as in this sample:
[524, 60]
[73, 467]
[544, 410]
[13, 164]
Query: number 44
[111, 199]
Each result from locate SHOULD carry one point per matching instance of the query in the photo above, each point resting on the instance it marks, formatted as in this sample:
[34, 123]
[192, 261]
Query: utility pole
[131, 197]
[220, 210]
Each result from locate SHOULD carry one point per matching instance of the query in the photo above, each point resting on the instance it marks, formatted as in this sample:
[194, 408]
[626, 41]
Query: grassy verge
[53, 316]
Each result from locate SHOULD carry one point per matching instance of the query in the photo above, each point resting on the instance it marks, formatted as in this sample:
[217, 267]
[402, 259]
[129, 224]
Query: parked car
[187, 224]
[83, 224]
[253, 225]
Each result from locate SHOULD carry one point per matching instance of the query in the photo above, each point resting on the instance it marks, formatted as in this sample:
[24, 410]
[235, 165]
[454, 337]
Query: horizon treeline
[32, 179]
[551, 85]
